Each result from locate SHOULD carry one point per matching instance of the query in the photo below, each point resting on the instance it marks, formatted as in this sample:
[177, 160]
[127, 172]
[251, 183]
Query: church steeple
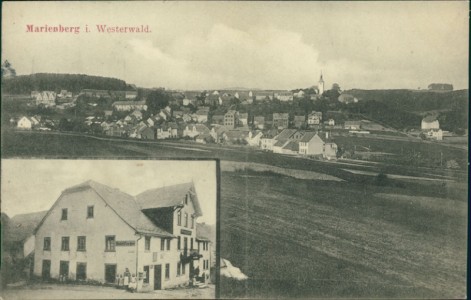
[320, 87]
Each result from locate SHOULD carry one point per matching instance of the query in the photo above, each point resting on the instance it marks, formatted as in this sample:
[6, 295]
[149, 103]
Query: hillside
[24, 84]
[402, 109]
[320, 239]
[414, 101]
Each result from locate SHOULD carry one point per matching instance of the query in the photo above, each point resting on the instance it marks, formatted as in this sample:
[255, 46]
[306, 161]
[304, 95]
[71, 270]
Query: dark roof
[307, 136]
[280, 143]
[429, 119]
[205, 232]
[280, 115]
[124, 205]
[22, 226]
[286, 134]
[128, 103]
[168, 196]
[292, 145]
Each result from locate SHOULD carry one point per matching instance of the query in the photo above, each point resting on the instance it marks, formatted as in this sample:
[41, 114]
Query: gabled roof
[286, 134]
[236, 134]
[280, 115]
[22, 226]
[307, 136]
[205, 232]
[124, 205]
[169, 196]
[199, 127]
[292, 145]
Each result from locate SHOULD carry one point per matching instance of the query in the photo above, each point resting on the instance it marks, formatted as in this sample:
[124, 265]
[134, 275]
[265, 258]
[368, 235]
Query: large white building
[95, 232]
[430, 122]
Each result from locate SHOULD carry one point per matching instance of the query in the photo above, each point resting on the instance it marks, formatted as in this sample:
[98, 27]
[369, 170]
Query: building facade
[95, 232]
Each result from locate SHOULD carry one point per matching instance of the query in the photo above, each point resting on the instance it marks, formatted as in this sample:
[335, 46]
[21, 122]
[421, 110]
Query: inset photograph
[108, 229]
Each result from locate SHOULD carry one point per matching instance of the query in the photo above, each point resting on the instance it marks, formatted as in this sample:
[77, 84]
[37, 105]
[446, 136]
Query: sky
[266, 45]
[32, 185]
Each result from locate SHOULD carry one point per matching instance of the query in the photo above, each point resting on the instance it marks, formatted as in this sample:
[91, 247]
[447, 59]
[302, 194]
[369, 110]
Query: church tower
[320, 87]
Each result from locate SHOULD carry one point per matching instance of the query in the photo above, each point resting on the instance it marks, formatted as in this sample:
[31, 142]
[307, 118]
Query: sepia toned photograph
[335, 132]
[109, 229]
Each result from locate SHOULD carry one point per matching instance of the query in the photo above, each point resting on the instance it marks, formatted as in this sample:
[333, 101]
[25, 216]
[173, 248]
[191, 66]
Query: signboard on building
[186, 232]
[125, 243]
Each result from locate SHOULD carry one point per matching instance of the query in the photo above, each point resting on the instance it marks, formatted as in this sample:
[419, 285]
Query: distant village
[210, 117]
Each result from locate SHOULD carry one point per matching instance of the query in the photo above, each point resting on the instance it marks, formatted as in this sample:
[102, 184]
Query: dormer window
[186, 199]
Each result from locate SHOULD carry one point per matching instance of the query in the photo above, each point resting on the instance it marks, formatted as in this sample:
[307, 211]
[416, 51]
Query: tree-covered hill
[24, 84]
[415, 100]
[405, 108]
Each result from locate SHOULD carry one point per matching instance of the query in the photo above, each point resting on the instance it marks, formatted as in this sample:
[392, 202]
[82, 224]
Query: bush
[381, 179]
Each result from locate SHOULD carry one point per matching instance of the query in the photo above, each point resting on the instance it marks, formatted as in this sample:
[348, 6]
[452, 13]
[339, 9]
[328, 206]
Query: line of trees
[24, 84]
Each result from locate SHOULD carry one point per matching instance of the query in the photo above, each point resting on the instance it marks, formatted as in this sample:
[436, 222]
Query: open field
[334, 239]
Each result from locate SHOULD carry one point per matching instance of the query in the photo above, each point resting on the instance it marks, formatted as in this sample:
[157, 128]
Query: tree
[157, 100]
[336, 87]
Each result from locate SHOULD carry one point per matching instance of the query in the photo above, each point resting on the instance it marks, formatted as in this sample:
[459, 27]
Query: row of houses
[127, 95]
[94, 232]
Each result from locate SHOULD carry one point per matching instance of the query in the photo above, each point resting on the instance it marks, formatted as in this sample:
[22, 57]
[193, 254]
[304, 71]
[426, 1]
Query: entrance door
[157, 277]
[110, 273]
[46, 271]
[64, 269]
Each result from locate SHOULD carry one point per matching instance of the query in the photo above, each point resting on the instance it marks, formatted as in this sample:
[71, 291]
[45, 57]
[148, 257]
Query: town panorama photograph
[334, 136]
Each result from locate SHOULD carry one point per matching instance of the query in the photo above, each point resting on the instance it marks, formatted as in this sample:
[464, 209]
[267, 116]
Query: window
[183, 270]
[81, 271]
[186, 199]
[185, 243]
[64, 214]
[65, 243]
[179, 218]
[192, 222]
[146, 274]
[168, 244]
[81, 243]
[179, 266]
[162, 244]
[110, 243]
[179, 243]
[147, 244]
[47, 243]
[191, 243]
[167, 271]
[90, 212]
[186, 220]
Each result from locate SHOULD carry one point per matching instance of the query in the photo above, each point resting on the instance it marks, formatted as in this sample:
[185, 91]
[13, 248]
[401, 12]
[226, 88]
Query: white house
[95, 232]
[24, 123]
[254, 138]
[193, 130]
[430, 122]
